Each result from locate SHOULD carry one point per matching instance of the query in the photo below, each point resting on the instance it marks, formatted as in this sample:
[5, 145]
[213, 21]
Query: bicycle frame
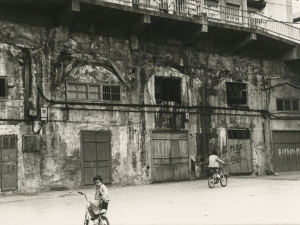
[214, 179]
[102, 216]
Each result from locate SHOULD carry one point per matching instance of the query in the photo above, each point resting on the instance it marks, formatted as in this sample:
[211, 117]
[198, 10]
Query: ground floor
[188, 202]
[69, 157]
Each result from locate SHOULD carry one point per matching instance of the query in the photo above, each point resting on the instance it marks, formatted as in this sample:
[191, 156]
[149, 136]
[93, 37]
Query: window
[8, 142]
[238, 134]
[2, 87]
[236, 93]
[287, 104]
[167, 89]
[93, 92]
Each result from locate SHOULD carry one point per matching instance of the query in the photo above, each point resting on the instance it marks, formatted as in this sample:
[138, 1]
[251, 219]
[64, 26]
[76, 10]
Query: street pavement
[245, 200]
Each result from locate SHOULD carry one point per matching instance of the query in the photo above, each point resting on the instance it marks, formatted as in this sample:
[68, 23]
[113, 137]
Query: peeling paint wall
[34, 57]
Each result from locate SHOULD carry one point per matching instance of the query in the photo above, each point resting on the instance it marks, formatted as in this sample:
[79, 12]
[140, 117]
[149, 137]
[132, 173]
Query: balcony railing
[215, 12]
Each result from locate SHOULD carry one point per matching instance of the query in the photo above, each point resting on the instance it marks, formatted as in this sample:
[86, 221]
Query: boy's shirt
[213, 161]
[101, 192]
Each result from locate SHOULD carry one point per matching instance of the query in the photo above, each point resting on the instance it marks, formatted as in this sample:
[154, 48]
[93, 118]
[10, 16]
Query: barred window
[8, 142]
[111, 93]
[238, 134]
[93, 92]
[288, 104]
[167, 89]
[236, 93]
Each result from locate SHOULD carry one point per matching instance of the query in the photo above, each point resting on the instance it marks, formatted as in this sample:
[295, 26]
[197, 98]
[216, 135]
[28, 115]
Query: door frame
[152, 147]
[82, 154]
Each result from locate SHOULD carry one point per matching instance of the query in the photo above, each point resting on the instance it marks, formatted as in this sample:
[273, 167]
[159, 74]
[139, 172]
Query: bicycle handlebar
[84, 195]
[79, 192]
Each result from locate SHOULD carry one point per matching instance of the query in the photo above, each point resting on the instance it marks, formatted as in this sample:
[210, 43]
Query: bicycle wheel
[103, 220]
[223, 180]
[86, 220]
[211, 182]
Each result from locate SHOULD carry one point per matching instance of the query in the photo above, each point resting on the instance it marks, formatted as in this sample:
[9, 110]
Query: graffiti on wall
[289, 151]
[258, 147]
[236, 153]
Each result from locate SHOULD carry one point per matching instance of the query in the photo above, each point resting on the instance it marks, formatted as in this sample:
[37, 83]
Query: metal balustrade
[222, 14]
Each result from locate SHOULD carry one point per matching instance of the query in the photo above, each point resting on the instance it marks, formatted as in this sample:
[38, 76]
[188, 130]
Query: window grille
[239, 134]
[236, 93]
[287, 104]
[167, 89]
[8, 142]
[111, 93]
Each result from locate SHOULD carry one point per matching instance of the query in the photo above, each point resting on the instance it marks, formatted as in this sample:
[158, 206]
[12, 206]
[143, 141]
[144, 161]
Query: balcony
[177, 21]
[192, 8]
[251, 20]
[187, 20]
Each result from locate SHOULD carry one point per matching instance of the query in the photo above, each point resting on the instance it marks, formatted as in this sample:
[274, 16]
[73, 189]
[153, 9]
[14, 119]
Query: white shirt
[213, 161]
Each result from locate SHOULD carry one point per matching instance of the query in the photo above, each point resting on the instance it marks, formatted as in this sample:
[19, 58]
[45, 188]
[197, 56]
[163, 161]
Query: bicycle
[103, 220]
[214, 179]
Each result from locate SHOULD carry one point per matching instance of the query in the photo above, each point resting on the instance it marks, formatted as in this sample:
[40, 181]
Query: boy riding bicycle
[213, 162]
[101, 194]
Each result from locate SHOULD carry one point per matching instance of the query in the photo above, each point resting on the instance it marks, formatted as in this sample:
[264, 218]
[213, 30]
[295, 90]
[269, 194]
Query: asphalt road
[242, 201]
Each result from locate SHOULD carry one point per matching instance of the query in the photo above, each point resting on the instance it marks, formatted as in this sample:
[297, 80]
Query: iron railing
[222, 14]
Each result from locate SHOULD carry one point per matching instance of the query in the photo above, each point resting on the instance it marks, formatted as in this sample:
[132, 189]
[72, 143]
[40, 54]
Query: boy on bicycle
[213, 162]
[101, 194]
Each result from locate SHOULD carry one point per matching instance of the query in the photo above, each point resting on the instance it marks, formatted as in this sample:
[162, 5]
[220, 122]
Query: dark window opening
[295, 105]
[236, 93]
[287, 104]
[111, 93]
[239, 134]
[279, 105]
[2, 87]
[167, 89]
[8, 142]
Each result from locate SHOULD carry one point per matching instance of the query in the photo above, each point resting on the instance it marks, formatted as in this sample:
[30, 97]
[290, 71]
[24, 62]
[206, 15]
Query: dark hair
[97, 177]
[214, 153]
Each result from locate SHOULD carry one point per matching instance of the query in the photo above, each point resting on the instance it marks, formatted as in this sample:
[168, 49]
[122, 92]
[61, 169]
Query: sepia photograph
[149, 112]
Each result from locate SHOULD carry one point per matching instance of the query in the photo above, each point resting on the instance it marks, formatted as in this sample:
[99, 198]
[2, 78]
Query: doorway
[96, 157]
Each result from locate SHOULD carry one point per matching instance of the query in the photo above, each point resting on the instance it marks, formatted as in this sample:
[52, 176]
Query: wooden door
[97, 156]
[9, 165]
[170, 156]
[286, 151]
[239, 151]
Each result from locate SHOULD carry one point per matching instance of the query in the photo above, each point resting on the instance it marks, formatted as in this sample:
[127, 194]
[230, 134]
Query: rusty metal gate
[239, 151]
[96, 158]
[170, 156]
[286, 151]
[8, 163]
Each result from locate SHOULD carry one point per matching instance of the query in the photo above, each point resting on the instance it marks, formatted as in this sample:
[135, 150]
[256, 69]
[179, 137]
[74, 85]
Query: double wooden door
[170, 156]
[96, 156]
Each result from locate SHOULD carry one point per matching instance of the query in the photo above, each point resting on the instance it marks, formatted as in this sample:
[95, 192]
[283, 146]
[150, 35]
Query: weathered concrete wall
[51, 58]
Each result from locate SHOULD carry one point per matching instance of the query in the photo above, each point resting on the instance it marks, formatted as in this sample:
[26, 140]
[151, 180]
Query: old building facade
[143, 94]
